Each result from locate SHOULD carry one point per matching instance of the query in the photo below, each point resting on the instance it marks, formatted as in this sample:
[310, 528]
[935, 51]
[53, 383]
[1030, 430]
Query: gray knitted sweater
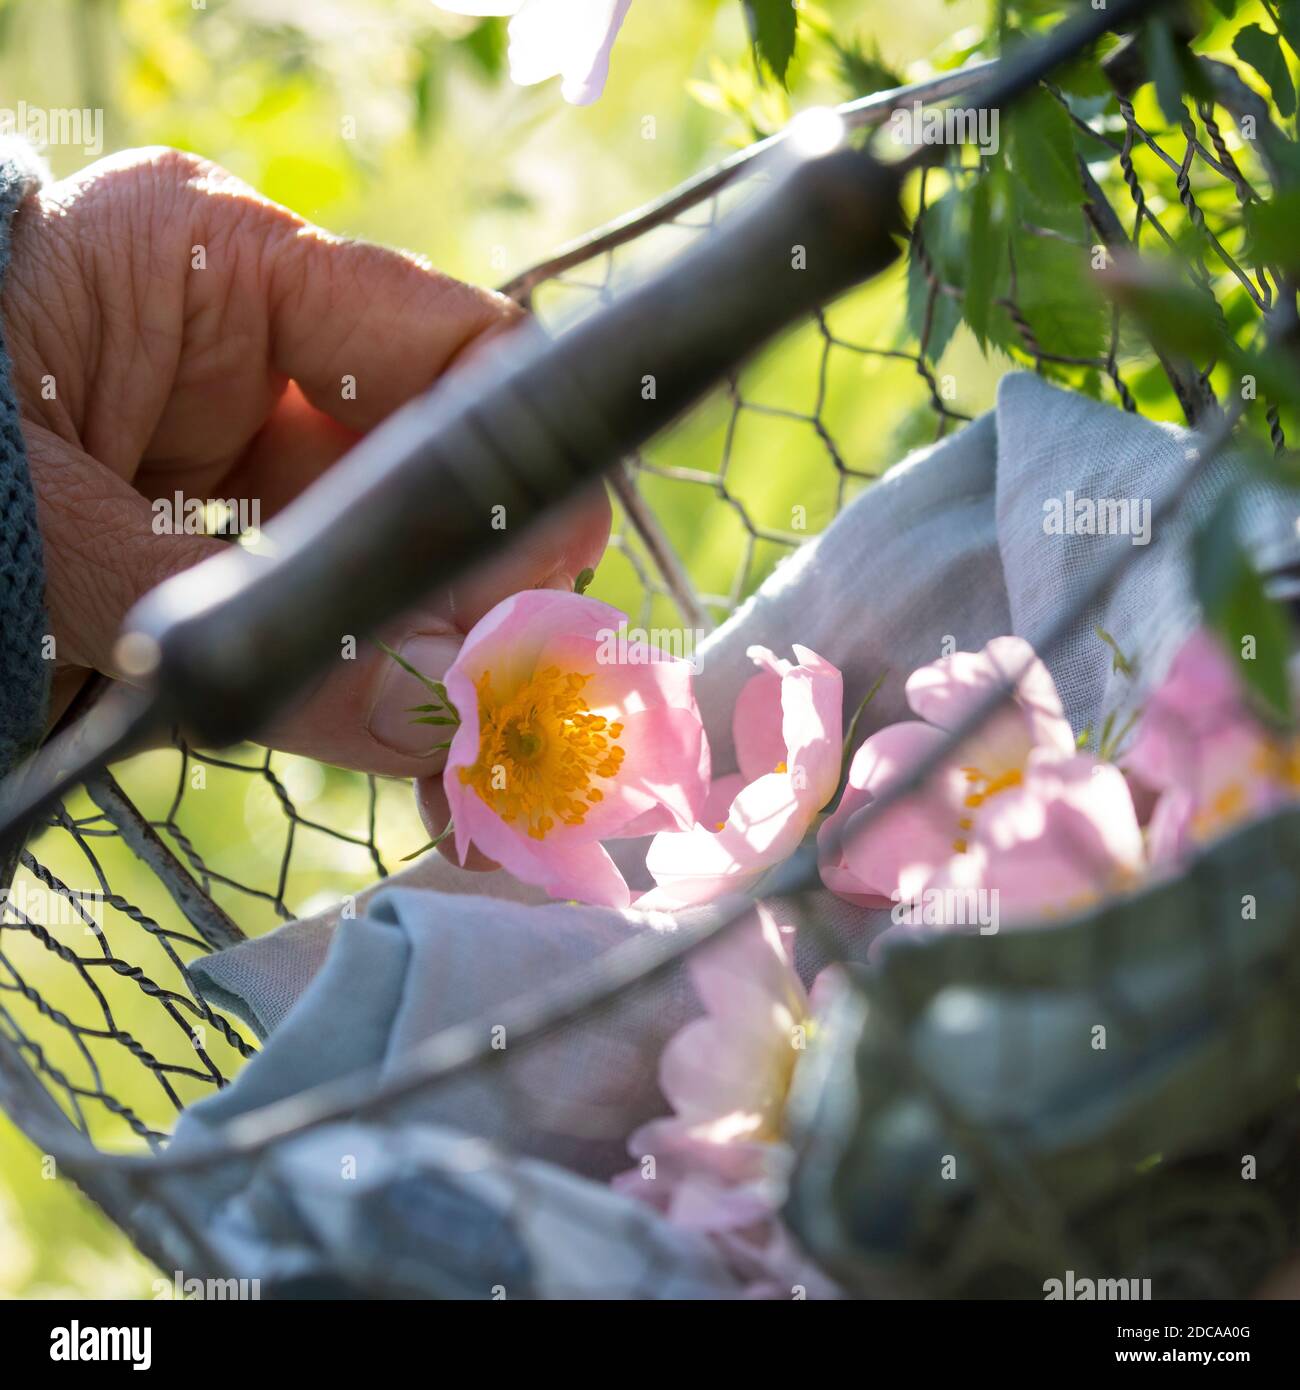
[24, 671]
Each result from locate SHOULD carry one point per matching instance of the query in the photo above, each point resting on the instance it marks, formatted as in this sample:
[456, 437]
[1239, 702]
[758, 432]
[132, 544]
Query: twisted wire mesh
[94, 986]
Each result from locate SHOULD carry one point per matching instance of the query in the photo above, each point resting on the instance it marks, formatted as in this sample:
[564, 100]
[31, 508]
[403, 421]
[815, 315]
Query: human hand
[172, 331]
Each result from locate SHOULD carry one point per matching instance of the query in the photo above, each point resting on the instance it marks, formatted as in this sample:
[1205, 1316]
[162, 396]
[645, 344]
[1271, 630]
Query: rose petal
[765, 824]
[910, 839]
[812, 704]
[756, 726]
[948, 690]
[1066, 838]
[661, 781]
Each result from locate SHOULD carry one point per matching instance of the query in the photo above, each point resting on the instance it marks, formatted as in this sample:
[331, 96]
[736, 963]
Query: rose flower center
[541, 751]
[982, 788]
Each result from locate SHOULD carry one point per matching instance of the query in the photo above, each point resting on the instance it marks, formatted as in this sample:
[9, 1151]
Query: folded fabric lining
[947, 550]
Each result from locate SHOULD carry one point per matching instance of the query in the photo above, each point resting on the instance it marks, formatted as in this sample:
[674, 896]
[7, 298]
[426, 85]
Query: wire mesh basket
[105, 1037]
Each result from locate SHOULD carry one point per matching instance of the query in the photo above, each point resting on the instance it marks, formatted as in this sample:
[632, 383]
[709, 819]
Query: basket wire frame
[96, 1001]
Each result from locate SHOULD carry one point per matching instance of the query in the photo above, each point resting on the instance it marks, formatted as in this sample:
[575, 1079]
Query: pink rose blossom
[721, 1161]
[560, 747]
[787, 729]
[1064, 839]
[902, 850]
[1211, 761]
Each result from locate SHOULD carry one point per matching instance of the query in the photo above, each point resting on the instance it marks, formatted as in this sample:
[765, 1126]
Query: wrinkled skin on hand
[227, 382]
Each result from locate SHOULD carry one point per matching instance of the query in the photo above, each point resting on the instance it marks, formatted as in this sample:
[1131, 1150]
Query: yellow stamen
[540, 748]
[1290, 758]
[1228, 806]
[983, 787]
[1004, 783]
[1280, 761]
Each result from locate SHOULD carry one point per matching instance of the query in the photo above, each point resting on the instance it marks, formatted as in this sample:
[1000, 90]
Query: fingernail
[392, 715]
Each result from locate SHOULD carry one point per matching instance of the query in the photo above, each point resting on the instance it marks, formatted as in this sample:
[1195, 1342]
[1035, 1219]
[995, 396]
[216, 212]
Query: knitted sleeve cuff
[24, 671]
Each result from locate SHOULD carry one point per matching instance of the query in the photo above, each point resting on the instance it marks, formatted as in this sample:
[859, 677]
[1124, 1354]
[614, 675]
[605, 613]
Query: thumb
[103, 553]
[362, 713]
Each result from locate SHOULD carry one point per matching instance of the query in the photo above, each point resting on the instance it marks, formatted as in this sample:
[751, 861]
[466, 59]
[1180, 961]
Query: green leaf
[425, 87]
[1084, 77]
[1160, 49]
[1107, 725]
[979, 289]
[1281, 470]
[436, 687]
[1057, 295]
[1273, 369]
[1273, 230]
[987, 256]
[772, 27]
[486, 45]
[846, 749]
[1253, 626]
[1042, 152]
[1263, 51]
[858, 713]
[1119, 663]
[862, 71]
[1090, 384]
[1196, 78]
[1177, 316]
[1288, 21]
[943, 231]
[1112, 740]
[433, 844]
[583, 582]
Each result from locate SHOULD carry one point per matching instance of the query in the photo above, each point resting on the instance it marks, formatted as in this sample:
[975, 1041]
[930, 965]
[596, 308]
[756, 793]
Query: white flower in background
[570, 39]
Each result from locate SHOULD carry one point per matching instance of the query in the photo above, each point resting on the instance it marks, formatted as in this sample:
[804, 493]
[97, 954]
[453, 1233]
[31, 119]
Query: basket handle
[227, 643]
